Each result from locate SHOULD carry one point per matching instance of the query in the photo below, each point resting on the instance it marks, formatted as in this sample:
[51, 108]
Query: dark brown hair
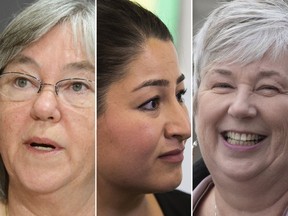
[123, 27]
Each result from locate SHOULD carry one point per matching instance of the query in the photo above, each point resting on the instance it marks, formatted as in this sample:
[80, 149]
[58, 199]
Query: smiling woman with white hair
[241, 105]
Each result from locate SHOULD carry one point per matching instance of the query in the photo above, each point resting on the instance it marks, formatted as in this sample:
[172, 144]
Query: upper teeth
[242, 136]
[245, 139]
[43, 148]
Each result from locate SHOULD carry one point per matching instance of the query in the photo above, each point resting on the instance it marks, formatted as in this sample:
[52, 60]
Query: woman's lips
[242, 141]
[43, 145]
[174, 156]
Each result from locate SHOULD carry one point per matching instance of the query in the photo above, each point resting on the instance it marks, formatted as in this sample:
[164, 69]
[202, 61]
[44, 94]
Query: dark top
[200, 172]
[174, 203]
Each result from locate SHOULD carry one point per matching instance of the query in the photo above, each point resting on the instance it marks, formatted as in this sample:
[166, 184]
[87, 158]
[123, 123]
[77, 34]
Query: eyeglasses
[16, 86]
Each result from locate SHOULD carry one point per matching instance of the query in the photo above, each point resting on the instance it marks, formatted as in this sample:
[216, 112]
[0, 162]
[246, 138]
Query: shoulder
[200, 172]
[175, 203]
[202, 190]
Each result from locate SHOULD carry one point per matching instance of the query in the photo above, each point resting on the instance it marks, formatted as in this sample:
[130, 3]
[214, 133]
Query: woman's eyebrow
[222, 72]
[155, 82]
[23, 59]
[261, 74]
[268, 73]
[180, 79]
[158, 82]
[82, 65]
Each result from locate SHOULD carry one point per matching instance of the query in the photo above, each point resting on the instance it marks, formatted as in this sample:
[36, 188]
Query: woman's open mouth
[242, 139]
[42, 146]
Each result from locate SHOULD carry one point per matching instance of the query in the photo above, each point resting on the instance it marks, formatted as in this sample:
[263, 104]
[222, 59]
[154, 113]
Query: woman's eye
[180, 95]
[22, 82]
[222, 88]
[268, 90]
[74, 87]
[150, 105]
[222, 85]
[78, 86]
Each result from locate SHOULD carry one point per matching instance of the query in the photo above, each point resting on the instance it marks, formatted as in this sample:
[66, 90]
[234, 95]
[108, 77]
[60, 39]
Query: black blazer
[174, 203]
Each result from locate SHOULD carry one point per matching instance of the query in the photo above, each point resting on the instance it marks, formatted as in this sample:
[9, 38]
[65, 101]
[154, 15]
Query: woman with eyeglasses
[142, 121]
[47, 102]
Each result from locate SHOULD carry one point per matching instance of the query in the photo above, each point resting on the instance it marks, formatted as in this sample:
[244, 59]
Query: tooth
[249, 137]
[234, 142]
[42, 148]
[232, 135]
[235, 136]
[243, 137]
[228, 135]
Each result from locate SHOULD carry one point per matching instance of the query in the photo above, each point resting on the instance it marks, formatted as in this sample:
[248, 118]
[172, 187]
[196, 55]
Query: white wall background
[185, 58]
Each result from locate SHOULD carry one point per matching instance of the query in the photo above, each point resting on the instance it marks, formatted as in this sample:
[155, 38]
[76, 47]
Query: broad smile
[242, 139]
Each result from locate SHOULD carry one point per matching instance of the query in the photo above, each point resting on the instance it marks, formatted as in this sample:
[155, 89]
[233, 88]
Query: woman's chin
[36, 182]
[169, 184]
[239, 171]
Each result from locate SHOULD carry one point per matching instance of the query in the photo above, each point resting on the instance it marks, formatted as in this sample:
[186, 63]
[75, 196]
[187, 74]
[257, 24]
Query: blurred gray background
[201, 9]
[8, 8]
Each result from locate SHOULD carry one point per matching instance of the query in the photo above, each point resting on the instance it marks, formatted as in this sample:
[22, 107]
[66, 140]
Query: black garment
[200, 172]
[175, 203]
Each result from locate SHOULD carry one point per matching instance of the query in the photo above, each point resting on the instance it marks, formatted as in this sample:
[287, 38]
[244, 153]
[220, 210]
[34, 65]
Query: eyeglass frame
[42, 84]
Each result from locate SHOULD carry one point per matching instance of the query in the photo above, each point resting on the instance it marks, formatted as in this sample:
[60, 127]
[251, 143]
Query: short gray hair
[40, 17]
[241, 31]
[34, 22]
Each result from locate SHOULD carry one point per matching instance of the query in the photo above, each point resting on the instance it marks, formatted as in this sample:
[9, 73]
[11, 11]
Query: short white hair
[241, 31]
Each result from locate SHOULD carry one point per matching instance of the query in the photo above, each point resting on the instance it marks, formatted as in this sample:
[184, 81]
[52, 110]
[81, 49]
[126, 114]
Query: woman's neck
[115, 201]
[251, 198]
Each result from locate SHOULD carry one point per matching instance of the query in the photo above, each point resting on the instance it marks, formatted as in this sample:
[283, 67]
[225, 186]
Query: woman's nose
[45, 107]
[242, 106]
[178, 124]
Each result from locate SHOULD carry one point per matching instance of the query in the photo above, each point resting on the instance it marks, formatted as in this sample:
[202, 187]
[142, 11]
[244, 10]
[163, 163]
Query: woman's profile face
[241, 119]
[141, 135]
[47, 144]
